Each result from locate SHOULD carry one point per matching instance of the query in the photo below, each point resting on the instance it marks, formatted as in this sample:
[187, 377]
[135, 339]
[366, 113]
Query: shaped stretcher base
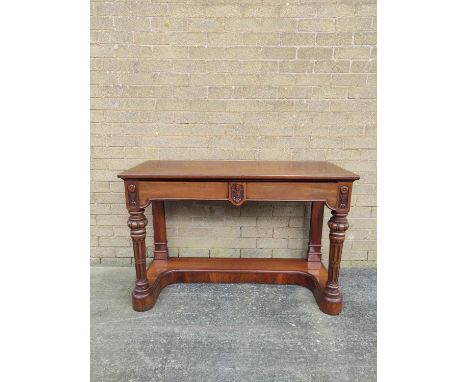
[311, 275]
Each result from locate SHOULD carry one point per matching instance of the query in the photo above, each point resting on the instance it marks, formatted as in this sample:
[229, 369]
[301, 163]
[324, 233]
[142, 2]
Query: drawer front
[292, 191]
[182, 190]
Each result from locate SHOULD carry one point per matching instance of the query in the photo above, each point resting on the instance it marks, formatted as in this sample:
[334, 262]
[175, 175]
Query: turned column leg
[141, 296]
[331, 300]
[314, 253]
[159, 226]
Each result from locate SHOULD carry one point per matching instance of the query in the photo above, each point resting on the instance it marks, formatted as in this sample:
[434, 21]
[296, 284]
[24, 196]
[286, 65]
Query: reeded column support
[137, 223]
[331, 299]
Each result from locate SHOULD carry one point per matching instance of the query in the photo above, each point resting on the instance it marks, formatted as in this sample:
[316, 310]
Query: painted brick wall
[232, 79]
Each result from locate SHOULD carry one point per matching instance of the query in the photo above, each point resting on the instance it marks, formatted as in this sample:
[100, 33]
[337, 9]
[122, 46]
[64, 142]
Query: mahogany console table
[321, 183]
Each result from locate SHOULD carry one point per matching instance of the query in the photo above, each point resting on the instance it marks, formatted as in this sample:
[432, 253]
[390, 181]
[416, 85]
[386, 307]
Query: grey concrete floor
[231, 332]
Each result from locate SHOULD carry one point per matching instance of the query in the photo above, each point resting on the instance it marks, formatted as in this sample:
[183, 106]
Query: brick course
[232, 79]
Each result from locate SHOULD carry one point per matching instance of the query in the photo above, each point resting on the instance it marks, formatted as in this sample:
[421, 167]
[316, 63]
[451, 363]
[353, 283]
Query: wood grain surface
[269, 170]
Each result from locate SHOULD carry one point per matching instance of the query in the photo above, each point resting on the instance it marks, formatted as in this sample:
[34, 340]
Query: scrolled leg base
[331, 301]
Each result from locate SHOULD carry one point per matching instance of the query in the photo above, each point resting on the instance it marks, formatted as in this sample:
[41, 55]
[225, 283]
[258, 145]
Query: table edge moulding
[238, 182]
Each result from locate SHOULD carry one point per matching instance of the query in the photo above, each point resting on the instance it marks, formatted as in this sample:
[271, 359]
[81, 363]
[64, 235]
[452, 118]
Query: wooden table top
[249, 170]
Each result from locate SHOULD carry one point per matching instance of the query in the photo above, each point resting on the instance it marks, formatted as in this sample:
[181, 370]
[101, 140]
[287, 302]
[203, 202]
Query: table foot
[331, 301]
[142, 303]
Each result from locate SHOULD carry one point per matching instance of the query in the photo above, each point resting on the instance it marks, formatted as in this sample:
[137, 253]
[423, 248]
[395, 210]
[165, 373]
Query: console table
[237, 182]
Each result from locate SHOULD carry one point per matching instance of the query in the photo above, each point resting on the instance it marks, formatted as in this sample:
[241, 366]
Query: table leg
[314, 253]
[159, 226]
[142, 294]
[331, 300]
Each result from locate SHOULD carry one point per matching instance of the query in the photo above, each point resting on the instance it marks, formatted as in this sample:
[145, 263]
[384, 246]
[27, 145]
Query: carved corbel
[131, 189]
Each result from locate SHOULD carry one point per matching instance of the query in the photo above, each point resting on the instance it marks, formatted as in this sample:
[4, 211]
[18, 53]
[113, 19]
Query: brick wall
[232, 79]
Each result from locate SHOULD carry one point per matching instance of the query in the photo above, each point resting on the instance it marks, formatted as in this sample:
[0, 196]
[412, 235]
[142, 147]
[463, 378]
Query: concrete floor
[236, 332]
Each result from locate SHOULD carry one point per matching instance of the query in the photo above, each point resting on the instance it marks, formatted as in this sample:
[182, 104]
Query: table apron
[255, 191]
